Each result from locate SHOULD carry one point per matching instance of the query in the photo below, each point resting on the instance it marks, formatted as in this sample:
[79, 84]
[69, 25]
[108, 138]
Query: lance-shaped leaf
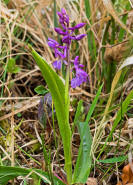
[83, 164]
[7, 173]
[57, 90]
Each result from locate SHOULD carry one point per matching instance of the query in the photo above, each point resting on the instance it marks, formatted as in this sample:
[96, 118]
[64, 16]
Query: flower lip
[59, 53]
[76, 60]
[52, 43]
[52, 40]
[57, 64]
[66, 39]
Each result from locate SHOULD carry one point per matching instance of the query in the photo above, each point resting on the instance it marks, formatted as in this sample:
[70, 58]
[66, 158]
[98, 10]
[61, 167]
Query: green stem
[68, 156]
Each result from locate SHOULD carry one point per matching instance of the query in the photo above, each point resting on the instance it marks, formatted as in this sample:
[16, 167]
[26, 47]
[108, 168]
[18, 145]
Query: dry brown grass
[32, 21]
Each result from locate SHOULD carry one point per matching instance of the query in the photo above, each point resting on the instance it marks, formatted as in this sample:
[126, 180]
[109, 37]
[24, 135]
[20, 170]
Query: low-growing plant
[60, 95]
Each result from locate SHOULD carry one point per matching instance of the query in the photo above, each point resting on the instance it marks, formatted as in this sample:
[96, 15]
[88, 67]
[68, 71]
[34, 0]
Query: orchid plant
[60, 96]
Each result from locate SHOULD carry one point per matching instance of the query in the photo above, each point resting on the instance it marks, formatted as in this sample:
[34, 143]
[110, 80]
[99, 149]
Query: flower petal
[65, 62]
[63, 11]
[65, 51]
[79, 37]
[76, 60]
[52, 43]
[52, 40]
[66, 39]
[57, 64]
[74, 83]
[78, 26]
[81, 65]
[59, 53]
[59, 31]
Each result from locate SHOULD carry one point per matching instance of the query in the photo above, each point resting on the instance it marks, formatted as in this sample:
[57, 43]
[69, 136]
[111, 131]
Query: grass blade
[93, 105]
[113, 160]
[122, 111]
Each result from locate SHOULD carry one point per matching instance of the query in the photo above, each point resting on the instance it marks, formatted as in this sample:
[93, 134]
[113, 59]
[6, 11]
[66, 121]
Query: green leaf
[113, 160]
[83, 164]
[6, 1]
[11, 66]
[55, 15]
[93, 105]
[57, 90]
[16, 69]
[90, 35]
[19, 115]
[87, 9]
[7, 173]
[121, 112]
[40, 89]
[25, 182]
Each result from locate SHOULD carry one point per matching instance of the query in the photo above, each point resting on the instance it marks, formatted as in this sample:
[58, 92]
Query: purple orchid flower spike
[81, 75]
[62, 51]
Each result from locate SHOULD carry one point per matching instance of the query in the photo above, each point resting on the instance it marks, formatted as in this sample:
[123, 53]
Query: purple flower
[57, 64]
[78, 26]
[63, 18]
[56, 46]
[81, 75]
[75, 82]
[53, 43]
[58, 53]
[66, 39]
[79, 37]
[62, 51]
[59, 31]
[76, 61]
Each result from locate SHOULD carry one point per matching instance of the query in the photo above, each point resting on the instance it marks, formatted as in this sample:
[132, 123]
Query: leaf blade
[93, 105]
[57, 90]
[7, 173]
[83, 164]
